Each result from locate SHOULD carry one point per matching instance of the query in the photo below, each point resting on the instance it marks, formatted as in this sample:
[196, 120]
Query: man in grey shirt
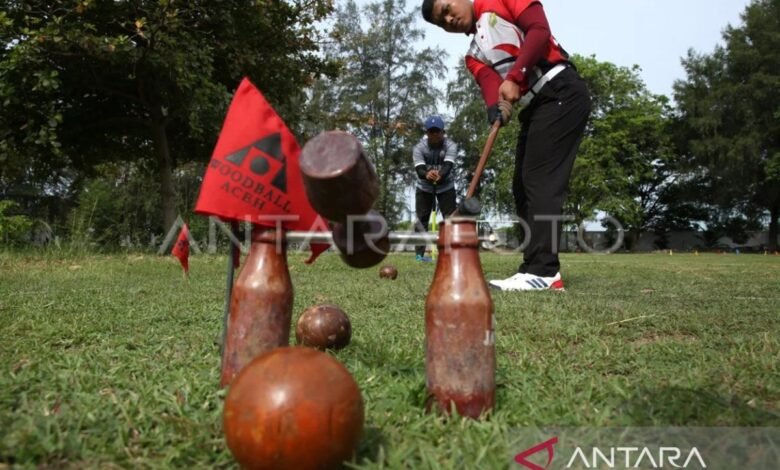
[433, 157]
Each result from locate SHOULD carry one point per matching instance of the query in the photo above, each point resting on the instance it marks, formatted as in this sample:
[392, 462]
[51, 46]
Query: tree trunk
[774, 212]
[386, 193]
[631, 241]
[165, 169]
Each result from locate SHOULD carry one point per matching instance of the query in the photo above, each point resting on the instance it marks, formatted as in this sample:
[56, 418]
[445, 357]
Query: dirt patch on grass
[670, 338]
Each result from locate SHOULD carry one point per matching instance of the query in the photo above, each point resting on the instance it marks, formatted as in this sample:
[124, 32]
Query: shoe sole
[501, 289]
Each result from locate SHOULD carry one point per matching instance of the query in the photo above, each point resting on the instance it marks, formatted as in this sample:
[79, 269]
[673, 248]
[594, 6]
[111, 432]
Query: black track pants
[551, 131]
[423, 203]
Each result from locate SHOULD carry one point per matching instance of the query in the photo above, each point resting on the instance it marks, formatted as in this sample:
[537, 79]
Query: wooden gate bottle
[460, 359]
[260, 305]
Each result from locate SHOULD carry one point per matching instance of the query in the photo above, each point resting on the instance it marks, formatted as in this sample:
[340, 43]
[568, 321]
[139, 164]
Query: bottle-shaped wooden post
[460, 358]
[260, 305]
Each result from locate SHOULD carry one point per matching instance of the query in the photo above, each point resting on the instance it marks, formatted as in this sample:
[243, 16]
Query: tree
[383, 92]
[730, 103]
[628, 162]
[94, 81]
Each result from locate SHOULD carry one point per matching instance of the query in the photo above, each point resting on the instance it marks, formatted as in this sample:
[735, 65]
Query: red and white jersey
[498, 40]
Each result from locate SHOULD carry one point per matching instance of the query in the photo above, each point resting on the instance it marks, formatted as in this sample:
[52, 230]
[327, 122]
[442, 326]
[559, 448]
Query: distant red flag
[254, 173]
[181, 249]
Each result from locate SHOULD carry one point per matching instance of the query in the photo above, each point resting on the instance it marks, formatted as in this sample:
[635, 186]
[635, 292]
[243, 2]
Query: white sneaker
[525, 281]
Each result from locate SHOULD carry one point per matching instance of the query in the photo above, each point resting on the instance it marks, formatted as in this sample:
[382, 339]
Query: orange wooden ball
[293, 408]
[324, 326]
[388, 272]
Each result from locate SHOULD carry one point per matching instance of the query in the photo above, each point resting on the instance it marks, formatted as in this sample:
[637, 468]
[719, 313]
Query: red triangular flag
[181, 249]
[254, 172]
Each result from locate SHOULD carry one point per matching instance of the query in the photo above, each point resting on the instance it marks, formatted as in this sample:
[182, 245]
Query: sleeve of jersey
[533, 21]
[451, 151]
[517, 7]
[419, 162]
[417, 156]
[488, 80]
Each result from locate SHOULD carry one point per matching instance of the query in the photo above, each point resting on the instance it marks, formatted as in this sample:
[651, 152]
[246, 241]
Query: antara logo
[616, 457]
[637, 457]
[522, 457]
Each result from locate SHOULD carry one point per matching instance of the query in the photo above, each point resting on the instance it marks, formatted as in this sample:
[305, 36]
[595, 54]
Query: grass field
[111, 361]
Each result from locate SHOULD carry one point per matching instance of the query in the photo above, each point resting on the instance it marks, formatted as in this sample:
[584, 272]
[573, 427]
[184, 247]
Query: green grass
[111, 361]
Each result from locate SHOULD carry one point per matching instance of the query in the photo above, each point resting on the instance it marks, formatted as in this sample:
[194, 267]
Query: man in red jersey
[516, 61]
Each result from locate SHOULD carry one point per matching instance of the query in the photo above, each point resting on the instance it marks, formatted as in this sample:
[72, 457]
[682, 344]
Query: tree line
[110, 111]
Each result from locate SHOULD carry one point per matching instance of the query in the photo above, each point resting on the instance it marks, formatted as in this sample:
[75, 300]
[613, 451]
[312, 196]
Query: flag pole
[434, 250]
[229, 284]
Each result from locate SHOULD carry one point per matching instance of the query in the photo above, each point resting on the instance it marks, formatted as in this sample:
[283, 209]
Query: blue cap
[434, 122]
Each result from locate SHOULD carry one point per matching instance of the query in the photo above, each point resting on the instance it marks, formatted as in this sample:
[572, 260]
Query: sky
[654, 34]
